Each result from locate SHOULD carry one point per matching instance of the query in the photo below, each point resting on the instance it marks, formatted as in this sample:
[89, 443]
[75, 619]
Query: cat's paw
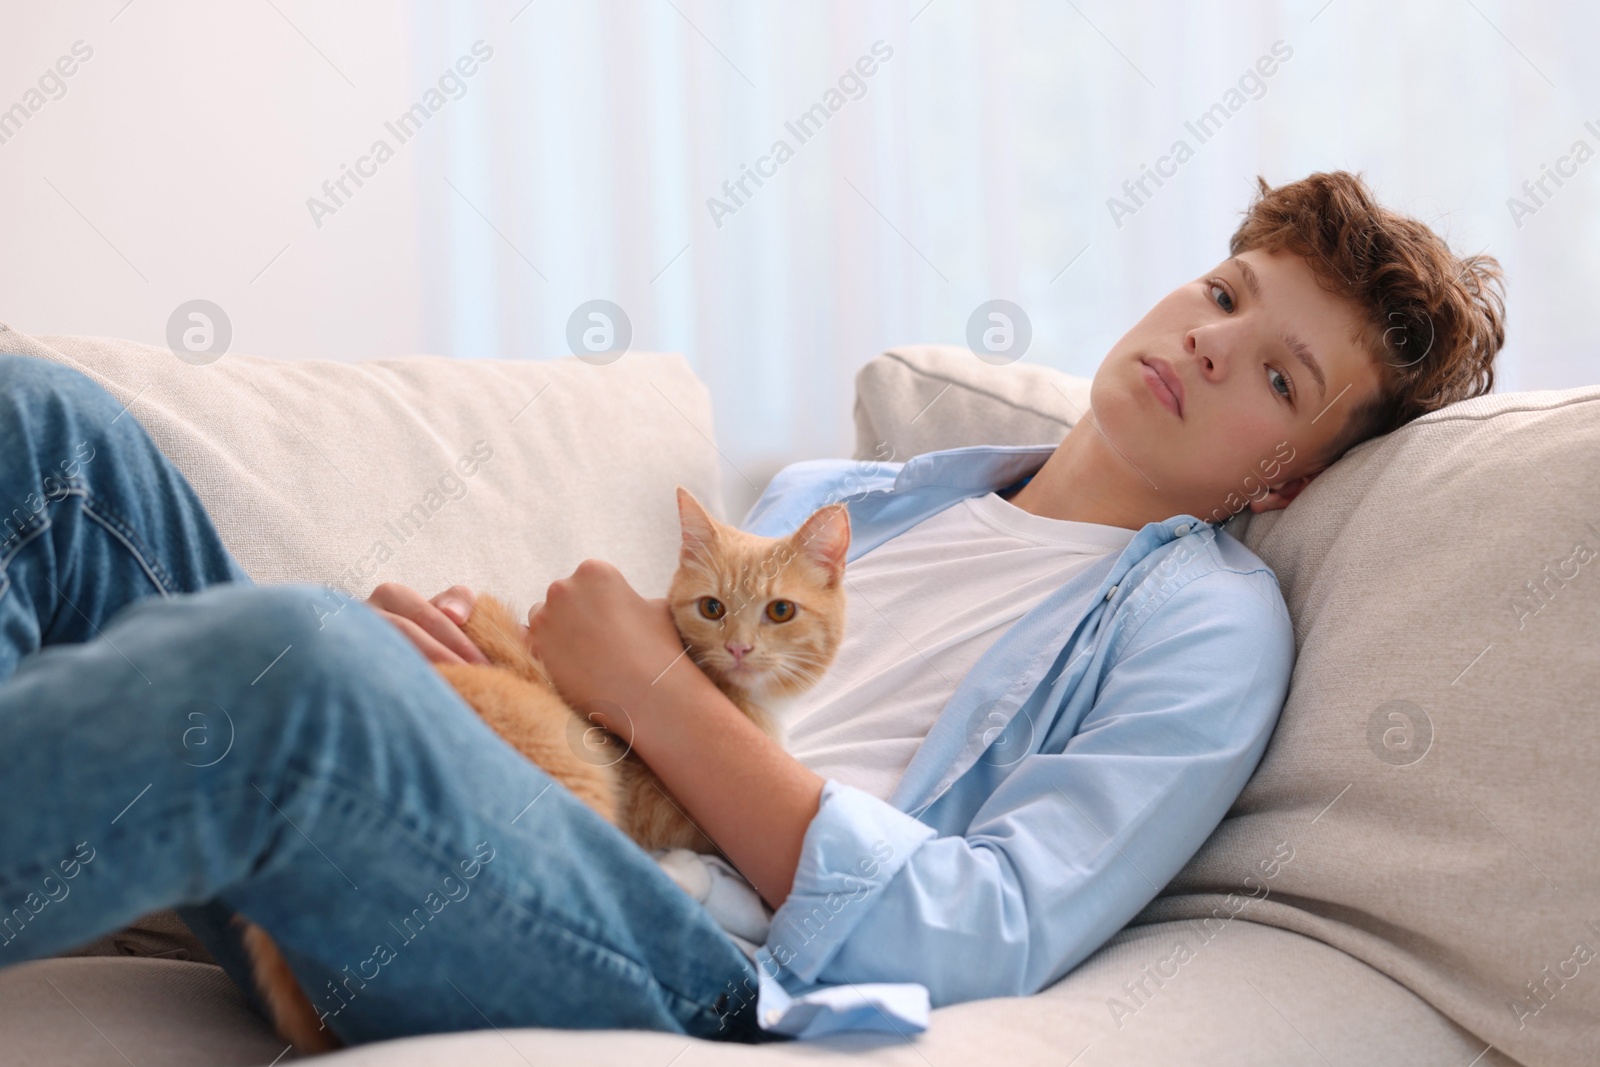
[686, 868]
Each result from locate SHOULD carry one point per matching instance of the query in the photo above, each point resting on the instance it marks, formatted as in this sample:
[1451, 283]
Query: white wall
[177, 165]
[578, 162]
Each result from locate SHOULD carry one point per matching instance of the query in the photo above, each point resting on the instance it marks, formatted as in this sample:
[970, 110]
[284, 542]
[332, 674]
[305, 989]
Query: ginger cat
[761, 616]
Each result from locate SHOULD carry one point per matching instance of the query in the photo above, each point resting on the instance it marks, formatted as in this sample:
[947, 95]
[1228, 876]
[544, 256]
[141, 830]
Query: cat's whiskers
[801, 670]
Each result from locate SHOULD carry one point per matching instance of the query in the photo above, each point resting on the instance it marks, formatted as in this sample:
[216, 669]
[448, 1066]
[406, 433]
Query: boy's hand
[604, 645]
[434, 626]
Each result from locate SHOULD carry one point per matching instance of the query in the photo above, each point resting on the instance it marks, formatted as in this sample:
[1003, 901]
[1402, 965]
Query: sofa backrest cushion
[1427, 801]
[921, 398]
[501, 475]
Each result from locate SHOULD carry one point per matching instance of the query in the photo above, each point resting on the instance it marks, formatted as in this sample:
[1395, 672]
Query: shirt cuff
[853, 846]
[890, 1007]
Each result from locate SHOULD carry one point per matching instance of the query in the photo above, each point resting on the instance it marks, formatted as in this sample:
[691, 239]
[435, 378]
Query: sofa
[1411, 876]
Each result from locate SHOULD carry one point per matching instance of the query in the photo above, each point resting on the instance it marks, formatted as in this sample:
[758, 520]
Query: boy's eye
[712, 608]
[1228, 307]
[1288, 390]
[780, 610]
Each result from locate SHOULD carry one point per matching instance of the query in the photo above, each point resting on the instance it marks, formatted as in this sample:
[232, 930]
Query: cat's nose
[736, 650]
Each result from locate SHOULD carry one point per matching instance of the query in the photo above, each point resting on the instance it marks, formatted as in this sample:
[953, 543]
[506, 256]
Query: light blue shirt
[1077, 767]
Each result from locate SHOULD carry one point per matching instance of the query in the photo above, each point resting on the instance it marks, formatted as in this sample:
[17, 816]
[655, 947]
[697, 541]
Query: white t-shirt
[922, 608]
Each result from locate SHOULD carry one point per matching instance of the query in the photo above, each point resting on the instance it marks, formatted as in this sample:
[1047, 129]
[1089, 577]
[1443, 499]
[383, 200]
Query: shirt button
[1181, 529]
[773, 1015]
[1111, 592]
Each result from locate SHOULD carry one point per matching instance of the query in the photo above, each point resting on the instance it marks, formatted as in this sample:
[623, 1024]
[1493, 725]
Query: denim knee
[38, 384]
[54, 419]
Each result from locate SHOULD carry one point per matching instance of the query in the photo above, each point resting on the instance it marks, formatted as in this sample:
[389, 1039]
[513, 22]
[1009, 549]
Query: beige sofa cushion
[1433, 770]
[921, 398]
[347, 473]
[113, 1012]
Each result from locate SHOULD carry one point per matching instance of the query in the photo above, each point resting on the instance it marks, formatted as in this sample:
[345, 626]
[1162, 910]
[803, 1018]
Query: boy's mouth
[1164, 383]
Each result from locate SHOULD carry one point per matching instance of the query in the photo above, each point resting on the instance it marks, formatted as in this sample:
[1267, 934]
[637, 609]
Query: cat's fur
[747, 575]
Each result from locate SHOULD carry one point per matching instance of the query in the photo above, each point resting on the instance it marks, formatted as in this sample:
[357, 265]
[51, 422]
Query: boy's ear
[1280, 497]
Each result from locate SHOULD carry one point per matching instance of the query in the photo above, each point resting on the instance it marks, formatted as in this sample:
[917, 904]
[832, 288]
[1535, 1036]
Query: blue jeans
[175, 736]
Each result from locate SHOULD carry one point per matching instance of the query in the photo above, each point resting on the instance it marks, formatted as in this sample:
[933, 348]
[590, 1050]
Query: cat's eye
[780, 610]
[712, 608]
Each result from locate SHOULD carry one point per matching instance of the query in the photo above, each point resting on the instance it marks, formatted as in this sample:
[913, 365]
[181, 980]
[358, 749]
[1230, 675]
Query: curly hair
[1412, 292]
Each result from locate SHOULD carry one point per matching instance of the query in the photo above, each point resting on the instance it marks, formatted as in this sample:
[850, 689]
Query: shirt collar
[988, 468]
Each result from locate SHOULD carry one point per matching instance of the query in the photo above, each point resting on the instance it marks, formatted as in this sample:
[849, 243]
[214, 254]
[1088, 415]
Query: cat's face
[761, 615]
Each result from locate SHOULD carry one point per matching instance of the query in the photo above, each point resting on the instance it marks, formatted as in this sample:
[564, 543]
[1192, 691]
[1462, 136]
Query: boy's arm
[733, 781]
[617, 657]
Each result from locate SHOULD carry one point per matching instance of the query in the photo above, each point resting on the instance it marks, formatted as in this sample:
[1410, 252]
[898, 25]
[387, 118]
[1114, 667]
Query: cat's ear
[824, 539]
[699, 528]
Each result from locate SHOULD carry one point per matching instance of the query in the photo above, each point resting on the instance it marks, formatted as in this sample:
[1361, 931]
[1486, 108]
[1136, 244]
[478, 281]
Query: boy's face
[1239, 438]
